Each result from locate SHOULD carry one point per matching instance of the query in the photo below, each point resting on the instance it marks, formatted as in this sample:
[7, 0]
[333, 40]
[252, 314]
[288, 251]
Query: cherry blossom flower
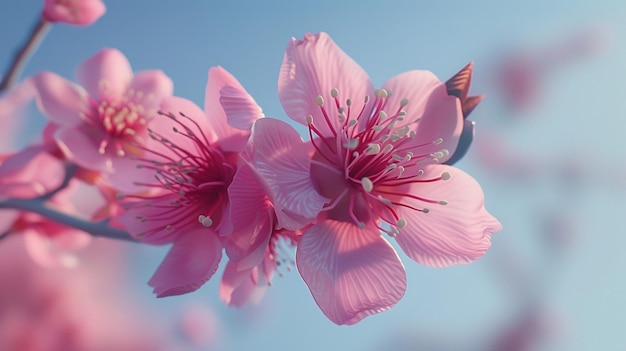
[377, 155]
[33, 173]
[87, 307]
[76, 12]
[100, 124]
[193, 157]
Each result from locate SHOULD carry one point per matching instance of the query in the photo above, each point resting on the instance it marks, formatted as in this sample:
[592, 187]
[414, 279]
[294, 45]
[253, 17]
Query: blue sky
[581, 117]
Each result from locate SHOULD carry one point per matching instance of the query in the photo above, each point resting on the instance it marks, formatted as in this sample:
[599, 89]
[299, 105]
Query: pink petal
[239, 106]
[81, 143]
[125, 174]
[456, 233]
[59, 99]
[190, 263]
[351, 272]
[314, 66]
[107, 74]
[220, 81]
[7, 218]
[154, 86]
[163, 125]
[29, 173]
[239, 286]
[13, 105]
[148, 222]
[439, 115]
[252, 219]
[282, 159]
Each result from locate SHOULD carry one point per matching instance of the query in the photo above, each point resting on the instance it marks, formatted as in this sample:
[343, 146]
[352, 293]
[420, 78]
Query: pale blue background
[581, 117]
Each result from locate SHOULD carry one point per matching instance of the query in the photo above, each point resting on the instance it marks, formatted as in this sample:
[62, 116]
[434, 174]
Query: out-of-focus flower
[377, 156]
[28, 174]
[521, 74]
[80, 309]
[12, 106]
[76, 12]
[193, 157]
[101, 124]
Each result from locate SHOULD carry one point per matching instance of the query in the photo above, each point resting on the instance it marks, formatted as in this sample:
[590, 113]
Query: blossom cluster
[226, 183]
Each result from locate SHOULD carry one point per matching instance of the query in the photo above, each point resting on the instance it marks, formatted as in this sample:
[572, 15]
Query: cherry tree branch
[36, 35]
[101, 229]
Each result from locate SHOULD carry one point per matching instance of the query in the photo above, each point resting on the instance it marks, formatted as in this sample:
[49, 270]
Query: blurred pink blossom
[78, 309]
[76, 12]
[100, 124]
[28, 174]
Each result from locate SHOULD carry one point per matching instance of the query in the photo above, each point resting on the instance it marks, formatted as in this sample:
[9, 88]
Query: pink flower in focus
[193, 157]
[377, 156]
[100, 124]
[76, 12]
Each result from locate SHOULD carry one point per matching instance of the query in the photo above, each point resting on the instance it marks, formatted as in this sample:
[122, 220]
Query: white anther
[372, 149]
[351, 144]
[438, 155]
[438, 141]
[382, 115]
[404, 102]
[425, 210]
[400, 171]
[205, 220]
[367, 184]
[382, 93]
[348, 102]
[408, 156]
[319, 100]
[341, 118]
[401, 223]
[309, 119]
[366, 99]
[334, 92]
[397, 157]
[445, 176]
[352, 122]
[402, 113]
[420, 172]
[443, 202]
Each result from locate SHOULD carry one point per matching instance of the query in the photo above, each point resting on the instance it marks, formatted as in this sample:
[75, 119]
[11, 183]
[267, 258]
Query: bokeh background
[549, 153]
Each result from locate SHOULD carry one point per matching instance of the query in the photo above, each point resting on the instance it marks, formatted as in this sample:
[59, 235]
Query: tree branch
[101, 229]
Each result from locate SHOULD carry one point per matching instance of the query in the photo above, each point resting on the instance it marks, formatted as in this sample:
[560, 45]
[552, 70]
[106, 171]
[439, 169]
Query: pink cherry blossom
[12, 106]
[377, 156]
[76, 12]
[84, 308]
[100, 124]
[193, 157]
[29, 174]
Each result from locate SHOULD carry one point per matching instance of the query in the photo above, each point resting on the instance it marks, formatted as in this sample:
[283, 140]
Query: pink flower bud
[76, 12]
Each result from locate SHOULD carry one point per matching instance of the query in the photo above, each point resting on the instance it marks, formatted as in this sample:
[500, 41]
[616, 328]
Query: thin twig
[36, 35]
[101, 229]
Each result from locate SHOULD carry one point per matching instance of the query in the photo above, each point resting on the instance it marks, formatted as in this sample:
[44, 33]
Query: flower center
[118, 124]
[368, 159]
[195, 181]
